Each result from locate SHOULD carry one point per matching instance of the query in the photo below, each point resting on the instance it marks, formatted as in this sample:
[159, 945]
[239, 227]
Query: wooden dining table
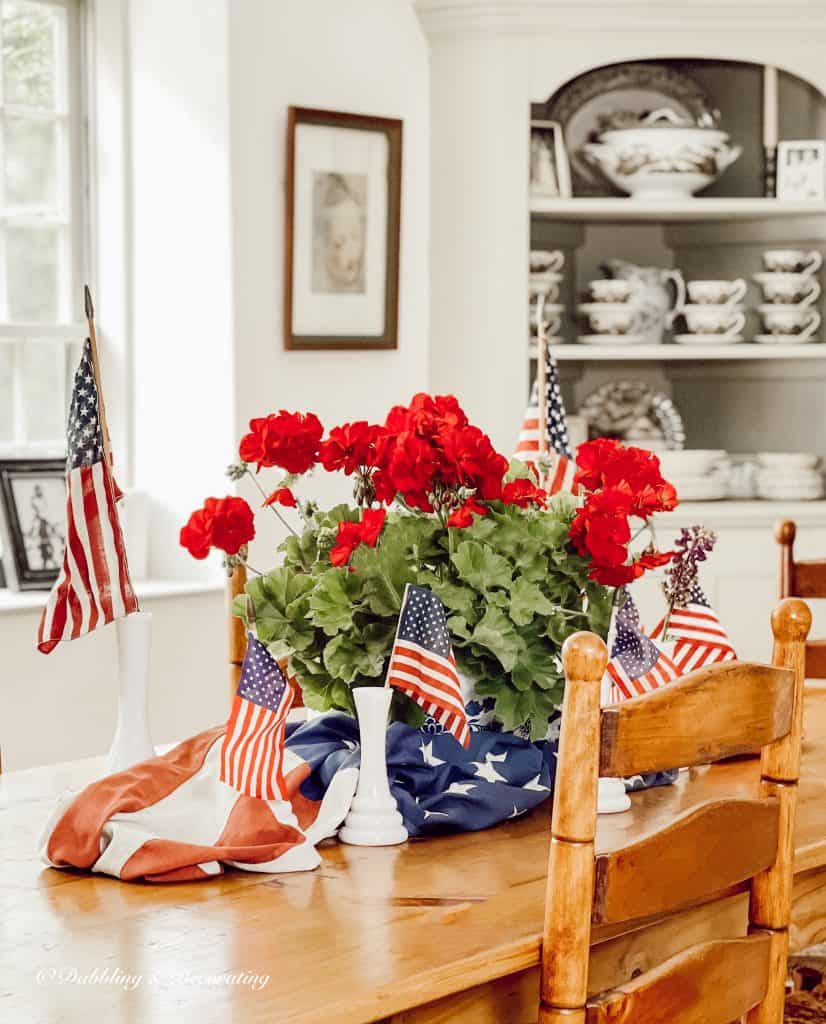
[439, 929]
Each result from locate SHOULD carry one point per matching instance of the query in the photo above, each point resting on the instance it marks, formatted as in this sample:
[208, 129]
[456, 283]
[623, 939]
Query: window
[42, 231]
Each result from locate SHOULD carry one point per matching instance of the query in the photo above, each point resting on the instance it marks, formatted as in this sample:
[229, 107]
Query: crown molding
[445, 18]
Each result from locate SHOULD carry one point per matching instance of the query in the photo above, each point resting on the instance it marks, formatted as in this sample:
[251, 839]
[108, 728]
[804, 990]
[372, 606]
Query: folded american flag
[555, 446]
[699, 638]
[93, 587]
[422, 663]
[253, 749]
[638, 664]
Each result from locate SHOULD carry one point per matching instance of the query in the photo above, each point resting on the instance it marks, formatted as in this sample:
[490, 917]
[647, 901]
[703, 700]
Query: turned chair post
[785, 533]
[568, 921]
[237, 633]
[771, 892]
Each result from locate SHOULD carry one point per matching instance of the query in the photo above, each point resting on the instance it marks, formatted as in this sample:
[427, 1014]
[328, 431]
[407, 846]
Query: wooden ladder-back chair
[716, 712]
[802, 579]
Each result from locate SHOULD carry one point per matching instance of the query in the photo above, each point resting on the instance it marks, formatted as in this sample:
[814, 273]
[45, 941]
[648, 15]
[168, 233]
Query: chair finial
[785, 531]
[584, 656]
[791, 620]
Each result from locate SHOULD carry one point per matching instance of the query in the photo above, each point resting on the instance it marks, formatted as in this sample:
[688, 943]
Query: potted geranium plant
[435, 505]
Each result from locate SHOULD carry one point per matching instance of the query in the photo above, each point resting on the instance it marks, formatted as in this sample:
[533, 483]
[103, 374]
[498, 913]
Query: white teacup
[792, 261]
[611, 317]
[546, 259]
[547, 286]
[725, 321]
[802, 323]
[789, 289]
[716, 293]
[610, 290]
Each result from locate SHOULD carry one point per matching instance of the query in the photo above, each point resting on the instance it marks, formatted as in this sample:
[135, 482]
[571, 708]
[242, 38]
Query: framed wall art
[801, 169]
[342, 221]
[32, 521]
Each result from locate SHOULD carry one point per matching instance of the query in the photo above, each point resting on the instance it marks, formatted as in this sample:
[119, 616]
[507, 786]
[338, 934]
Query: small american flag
[637, 663]
[528, 448]
[93, 587]
[700, 638]
[253, 749]
[422, 663]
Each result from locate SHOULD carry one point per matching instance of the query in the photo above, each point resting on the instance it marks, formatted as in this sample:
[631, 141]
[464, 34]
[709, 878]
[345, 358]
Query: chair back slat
[715, 982]
[650, 876]
[816, 659]
[716, 712]
[809, 578]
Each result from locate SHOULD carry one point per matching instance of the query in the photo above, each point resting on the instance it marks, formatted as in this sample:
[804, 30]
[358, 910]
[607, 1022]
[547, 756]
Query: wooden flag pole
[542, 383]
[93, 344]
[237, 632]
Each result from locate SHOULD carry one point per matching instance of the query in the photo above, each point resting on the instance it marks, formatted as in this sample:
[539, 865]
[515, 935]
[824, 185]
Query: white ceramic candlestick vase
[374, 818]
[611, 795]
[132, 742]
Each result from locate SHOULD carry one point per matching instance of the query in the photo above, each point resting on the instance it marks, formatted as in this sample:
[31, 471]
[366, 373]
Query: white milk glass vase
[374, 818]
[132, 742]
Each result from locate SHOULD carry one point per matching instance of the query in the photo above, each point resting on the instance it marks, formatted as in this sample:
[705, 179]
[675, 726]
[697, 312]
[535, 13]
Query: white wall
[362, 56]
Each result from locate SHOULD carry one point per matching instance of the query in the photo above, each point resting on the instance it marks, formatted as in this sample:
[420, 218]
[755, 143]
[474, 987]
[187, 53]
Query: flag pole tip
[87, 301]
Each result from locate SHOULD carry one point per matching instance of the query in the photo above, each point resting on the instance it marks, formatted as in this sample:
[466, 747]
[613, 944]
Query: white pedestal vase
[374, 818]
[132, 742]
[611, 795]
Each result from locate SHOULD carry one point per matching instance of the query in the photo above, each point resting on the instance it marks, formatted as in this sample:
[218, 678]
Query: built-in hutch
[495, 66]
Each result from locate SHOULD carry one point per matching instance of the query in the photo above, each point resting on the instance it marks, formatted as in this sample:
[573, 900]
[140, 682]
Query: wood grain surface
[371, 934]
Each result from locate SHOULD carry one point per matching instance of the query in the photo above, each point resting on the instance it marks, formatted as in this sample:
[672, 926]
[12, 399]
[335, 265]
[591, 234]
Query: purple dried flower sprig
[694, 545]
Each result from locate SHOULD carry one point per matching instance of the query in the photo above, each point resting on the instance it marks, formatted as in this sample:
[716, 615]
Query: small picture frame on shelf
[801, 169]
[550, 170]
[32, 521]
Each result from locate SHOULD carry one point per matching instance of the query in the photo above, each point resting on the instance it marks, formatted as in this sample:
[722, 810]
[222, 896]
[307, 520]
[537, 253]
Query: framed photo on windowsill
[342, 223]
[32, 521]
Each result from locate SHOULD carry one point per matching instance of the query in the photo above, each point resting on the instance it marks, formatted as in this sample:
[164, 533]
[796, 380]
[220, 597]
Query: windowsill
[147, 590]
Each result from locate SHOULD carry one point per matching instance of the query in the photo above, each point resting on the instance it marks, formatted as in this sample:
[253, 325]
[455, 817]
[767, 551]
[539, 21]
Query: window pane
[6, 392]
[29, 38]
[32, 273]
[31, 162]
[43, 383]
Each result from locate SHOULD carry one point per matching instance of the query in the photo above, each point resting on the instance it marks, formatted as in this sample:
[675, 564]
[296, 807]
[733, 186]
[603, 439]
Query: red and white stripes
[433, 682]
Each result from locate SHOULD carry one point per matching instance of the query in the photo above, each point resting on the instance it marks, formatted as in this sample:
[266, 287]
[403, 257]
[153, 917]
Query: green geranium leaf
[495, 632]
[347, 659]
[526, 601]
[334, 600]
[480, 567]
[455, 598]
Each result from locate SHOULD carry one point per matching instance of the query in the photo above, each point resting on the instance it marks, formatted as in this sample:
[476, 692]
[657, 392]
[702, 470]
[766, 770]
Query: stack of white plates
[699, 474]
[789, 476]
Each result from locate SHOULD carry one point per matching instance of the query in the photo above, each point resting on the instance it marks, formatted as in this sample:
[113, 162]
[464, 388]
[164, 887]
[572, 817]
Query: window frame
[70, 327]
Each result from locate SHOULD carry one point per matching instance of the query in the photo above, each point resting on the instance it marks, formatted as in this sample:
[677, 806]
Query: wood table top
[363, 936]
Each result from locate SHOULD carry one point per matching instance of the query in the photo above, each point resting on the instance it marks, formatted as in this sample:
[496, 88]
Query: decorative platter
[631, 411]
[604, 98]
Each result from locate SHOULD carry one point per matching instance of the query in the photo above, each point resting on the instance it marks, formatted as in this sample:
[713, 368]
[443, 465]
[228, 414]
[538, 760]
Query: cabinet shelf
[618, 208]
[575, 353]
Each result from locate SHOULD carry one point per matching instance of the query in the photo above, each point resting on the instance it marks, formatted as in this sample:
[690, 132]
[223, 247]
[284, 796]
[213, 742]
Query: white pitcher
[650, 294]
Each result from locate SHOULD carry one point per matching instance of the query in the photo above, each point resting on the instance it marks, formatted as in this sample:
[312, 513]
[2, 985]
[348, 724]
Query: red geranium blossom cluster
[223, 523]
[289, 440]
[350, 535]
[621, 483]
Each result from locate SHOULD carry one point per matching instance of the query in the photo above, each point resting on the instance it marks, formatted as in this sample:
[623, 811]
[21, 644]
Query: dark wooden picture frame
[391, 128]
[20, 575]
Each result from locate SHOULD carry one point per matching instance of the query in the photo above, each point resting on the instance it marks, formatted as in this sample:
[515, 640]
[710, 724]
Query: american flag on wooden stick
[638, 664]
[544, 430]
[699, 637]
[422, 663]
[93, 587]
[252, 753]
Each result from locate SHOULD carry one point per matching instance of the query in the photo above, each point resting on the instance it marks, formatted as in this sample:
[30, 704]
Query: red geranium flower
[286, 439]
[348, 447]
[523, 492]
[463, 516]
[350, 535]
[223, 523]
[281, 496]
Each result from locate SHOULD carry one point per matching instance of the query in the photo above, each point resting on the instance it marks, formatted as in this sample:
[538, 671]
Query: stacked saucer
[713, 314]
[698, 474]
[789, 290]
[544, 289]
[789, 476]
[612, 316]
